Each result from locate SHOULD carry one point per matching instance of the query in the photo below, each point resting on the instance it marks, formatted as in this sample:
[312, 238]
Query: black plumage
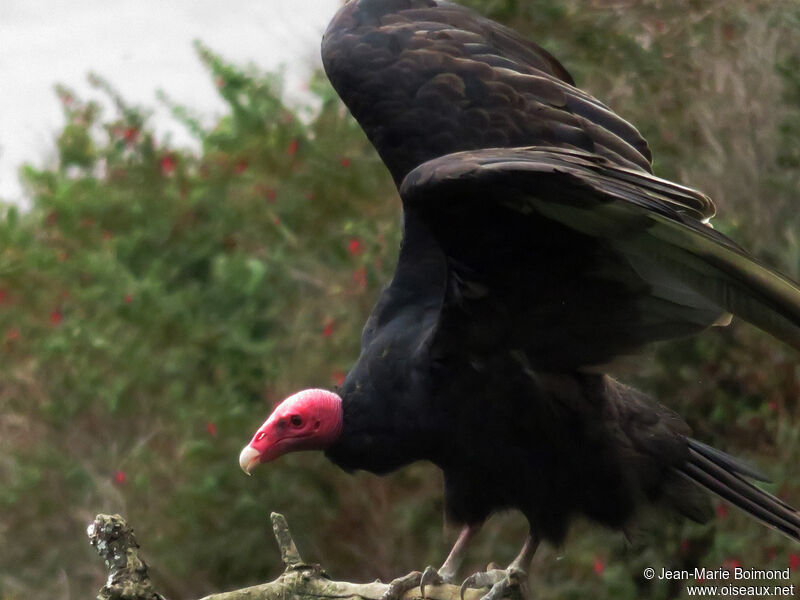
[537, 246]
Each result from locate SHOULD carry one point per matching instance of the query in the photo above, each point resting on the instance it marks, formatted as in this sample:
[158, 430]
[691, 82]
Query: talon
[513, 579]
[463, 587]
[429, 577]
[479, 580]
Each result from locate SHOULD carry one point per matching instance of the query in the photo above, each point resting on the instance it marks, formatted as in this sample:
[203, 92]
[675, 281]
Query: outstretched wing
[574, 260]
[426, 78]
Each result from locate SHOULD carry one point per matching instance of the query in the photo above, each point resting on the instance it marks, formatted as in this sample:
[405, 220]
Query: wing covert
[426, 78]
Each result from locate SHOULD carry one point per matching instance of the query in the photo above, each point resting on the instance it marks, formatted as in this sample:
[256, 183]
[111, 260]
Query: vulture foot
[433, 577]
[503, 582]
[398, 587]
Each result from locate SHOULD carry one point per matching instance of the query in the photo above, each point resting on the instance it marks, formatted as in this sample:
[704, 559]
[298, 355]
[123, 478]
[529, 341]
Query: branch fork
[128, 578]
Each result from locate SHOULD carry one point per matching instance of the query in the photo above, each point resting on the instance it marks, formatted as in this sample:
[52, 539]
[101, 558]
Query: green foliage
[156, 301]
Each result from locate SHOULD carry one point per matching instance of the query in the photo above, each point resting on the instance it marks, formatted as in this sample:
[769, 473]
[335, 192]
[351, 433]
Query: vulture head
[307, 420]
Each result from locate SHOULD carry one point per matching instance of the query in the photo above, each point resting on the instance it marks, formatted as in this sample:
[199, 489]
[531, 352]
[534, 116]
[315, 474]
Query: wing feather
[425, 78]
[633, 220]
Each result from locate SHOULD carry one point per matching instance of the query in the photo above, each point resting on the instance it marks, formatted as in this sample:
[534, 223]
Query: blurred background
[173, 264]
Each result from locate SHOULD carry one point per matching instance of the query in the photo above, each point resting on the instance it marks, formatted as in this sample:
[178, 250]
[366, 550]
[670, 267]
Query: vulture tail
[724, 476]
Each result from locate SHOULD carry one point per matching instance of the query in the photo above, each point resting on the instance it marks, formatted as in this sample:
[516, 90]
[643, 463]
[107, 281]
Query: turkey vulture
[537, 247]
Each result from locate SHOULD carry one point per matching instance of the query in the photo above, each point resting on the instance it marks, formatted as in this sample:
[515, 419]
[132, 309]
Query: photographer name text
[735, 574]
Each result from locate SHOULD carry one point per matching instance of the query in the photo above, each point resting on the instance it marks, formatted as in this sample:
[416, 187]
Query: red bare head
[308, 420]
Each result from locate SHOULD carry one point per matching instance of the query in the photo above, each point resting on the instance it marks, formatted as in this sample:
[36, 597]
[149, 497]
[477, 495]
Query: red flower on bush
[293, 146]
[731, 563]
[338, 377]
[344, 161]
[12, 334]
[240, 167]
[128, 298]
[360, 277]
[269, 193]
[328, 328]
[131, 134]
[211, 428]
[168, 164]
[722, 511]
[794, 561]
[598, 566]
[355, 247]
[56, 317]
[120, 477]
[3, 295]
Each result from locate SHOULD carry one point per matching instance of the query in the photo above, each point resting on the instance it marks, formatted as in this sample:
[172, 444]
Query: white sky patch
[139, 46]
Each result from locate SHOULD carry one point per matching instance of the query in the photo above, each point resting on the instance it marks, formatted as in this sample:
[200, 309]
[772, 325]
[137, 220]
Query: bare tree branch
[128, 579]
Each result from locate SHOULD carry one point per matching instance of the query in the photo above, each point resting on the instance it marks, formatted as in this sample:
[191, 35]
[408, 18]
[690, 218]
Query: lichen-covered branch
[128, 579]
[127, 572]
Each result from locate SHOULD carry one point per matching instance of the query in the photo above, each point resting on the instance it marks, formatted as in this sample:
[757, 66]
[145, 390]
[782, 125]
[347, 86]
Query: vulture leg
[447, 572]
[505, 580]
[431, 576]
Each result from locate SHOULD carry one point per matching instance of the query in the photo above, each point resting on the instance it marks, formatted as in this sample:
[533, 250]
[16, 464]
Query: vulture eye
[260, 436]
[296, 420]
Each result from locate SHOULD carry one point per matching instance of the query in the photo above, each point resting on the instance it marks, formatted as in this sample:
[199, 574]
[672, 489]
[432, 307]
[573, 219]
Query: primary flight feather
[537, 247]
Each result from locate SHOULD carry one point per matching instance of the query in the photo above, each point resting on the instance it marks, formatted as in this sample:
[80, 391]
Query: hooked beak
[249, 458]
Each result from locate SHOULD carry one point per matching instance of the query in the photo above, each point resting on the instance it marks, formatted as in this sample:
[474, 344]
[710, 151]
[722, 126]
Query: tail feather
[723, 475]
[735, 465]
